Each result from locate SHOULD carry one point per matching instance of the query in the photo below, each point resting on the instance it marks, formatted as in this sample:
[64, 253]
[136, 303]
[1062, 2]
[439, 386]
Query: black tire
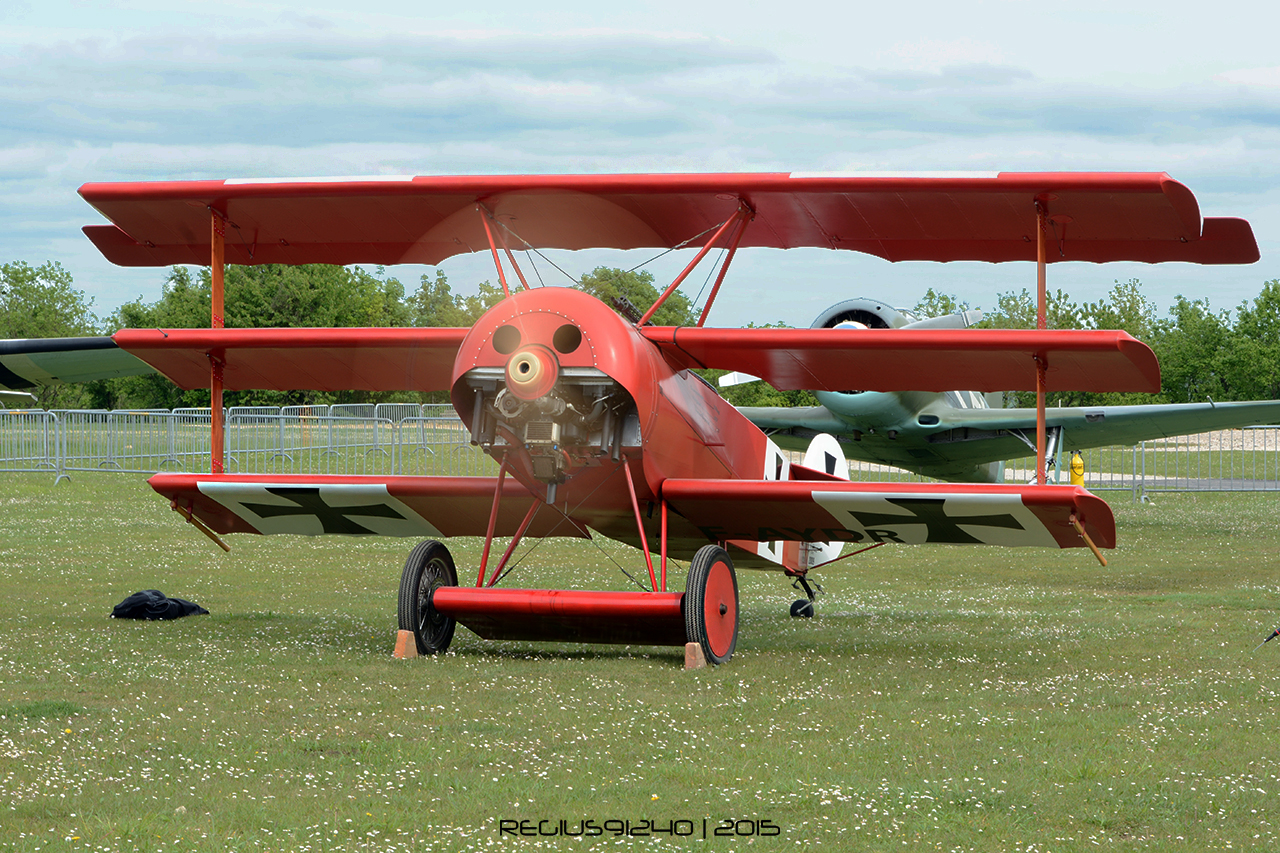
[711, 586]
[802, 608]
[430, 566]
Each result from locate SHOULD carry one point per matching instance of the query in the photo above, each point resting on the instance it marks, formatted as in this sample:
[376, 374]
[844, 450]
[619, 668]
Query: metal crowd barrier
[30, 441]
[1246, 459]
[133, 441]
[410, 439]
[386, 439]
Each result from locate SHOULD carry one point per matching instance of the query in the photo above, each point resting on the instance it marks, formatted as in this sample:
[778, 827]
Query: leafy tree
[274, 296]
[266, 296]
[1251, 363]
[934, 304]
[435, 303]
[1018, 311]
[42, 302]
[1190, 346]
[607, 284]
[1124, 308]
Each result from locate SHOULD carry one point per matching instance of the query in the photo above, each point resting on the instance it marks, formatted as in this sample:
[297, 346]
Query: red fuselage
[567, 389]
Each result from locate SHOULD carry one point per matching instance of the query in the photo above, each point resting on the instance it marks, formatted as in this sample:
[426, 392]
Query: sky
[143, 90]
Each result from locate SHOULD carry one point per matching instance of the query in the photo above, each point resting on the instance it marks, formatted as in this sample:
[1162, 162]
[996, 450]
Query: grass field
[946, 698]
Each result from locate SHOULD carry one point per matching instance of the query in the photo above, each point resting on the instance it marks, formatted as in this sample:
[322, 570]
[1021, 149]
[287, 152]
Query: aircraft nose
[532, 372]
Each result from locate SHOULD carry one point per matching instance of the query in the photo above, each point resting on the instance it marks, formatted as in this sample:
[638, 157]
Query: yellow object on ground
[1077, 469]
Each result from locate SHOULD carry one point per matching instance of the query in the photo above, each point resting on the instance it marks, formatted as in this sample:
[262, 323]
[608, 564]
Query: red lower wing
[311, 505]
[910, 513]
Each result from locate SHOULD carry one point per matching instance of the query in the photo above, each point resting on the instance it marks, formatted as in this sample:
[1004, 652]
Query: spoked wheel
[429, 567]
[711, 604]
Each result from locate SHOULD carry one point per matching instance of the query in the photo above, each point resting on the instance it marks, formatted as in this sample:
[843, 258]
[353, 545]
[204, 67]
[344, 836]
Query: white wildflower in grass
[941, 699]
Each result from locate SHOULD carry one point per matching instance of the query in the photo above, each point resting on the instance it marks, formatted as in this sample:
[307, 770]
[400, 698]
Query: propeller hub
[532, 372]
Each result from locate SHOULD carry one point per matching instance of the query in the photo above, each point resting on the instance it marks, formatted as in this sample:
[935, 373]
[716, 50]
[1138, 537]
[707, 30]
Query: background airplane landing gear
[804, 607]
[800, 608]
[430, 566]
[711, 603]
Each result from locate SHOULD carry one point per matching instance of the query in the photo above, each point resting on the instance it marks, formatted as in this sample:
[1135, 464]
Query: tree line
[1203, 353]
[42, 302]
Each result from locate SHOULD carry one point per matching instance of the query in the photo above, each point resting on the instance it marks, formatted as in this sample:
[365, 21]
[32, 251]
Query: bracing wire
[710, 272]
[677, 246]
[529, 247]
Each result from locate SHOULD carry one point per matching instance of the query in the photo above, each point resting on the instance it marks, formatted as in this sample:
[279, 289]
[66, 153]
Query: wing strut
[724, 268]
[493, 518]
[644, 540]
[1075, 522]
[1041, 324]
[497, 262]
[216, 358]
[485, 216]
[742, 213]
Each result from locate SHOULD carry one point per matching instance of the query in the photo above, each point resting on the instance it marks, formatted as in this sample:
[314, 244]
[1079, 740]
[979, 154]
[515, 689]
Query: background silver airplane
[958, 435]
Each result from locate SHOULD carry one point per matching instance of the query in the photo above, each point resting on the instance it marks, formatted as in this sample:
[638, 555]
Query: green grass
[944, 698]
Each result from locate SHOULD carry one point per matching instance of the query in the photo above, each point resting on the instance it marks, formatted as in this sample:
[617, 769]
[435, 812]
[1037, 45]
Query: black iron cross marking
[941, 527]
[333, 519]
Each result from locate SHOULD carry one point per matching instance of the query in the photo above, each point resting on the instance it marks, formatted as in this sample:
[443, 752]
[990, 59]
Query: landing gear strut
[804, 608]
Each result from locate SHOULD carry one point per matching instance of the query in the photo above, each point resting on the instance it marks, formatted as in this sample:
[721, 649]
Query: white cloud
[936, 54]
[326, 91]
[1265, 77]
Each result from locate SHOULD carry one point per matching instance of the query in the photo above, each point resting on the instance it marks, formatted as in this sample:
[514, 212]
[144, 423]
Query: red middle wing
[911, 513]
[401, 359]
[919, 359]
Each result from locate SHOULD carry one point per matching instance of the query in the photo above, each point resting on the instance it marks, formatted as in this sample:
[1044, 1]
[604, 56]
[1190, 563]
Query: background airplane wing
[1099, 426]
[311, 505]
[910, 513]
[987, 216]
[984, 435]
[965, 439]
[920, 360]
[386, 359]
[32, 362]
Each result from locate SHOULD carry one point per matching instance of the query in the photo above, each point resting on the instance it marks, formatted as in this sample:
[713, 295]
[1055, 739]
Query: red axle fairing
[578, 616]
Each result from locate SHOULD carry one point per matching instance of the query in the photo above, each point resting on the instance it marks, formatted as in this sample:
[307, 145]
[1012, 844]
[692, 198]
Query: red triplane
[599, 422]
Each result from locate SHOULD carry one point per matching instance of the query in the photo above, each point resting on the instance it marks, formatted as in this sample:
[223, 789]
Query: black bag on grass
[152, 604]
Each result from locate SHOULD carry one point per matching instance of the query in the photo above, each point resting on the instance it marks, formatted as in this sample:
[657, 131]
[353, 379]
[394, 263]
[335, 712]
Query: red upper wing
[991, 217]
[402, 359]
[918, 359]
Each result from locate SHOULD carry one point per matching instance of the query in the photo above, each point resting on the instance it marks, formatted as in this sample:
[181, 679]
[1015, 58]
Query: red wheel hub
[720, 608]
